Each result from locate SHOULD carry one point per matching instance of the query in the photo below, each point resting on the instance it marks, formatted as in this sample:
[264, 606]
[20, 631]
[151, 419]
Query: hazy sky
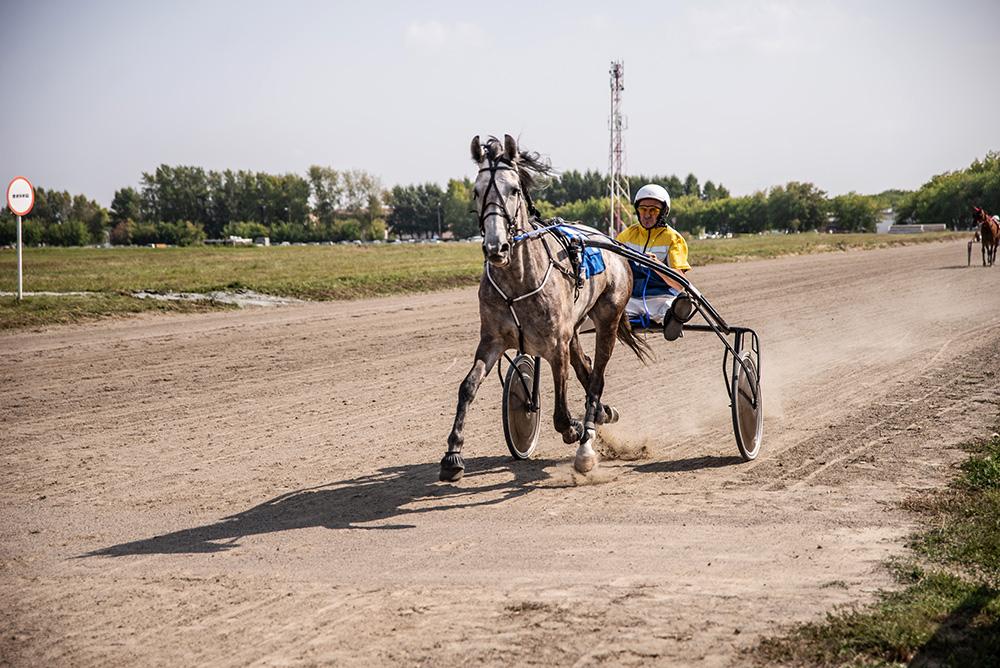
[859, 96]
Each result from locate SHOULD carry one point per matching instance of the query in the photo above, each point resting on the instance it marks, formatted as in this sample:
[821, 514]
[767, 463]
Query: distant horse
[530, 299]
[989, 235]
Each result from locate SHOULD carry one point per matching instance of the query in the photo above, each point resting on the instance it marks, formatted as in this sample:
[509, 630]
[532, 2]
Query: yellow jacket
[665, 243]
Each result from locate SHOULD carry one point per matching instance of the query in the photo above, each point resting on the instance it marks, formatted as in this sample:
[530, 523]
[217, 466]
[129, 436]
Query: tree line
[949, 197]
[185, 205]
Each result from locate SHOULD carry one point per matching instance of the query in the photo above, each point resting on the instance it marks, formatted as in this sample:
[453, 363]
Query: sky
[851, 96]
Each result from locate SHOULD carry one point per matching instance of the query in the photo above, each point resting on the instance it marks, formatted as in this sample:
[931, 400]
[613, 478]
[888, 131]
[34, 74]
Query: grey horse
[529, 300]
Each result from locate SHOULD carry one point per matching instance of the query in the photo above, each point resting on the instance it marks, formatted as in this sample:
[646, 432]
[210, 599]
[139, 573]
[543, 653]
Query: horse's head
[499, 196]
[979, 215]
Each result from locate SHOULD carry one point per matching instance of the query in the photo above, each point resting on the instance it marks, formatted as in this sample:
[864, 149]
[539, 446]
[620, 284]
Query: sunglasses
[649, 210]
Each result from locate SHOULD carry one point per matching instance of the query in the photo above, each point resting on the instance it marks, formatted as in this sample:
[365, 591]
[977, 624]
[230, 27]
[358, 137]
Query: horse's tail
[628, 337]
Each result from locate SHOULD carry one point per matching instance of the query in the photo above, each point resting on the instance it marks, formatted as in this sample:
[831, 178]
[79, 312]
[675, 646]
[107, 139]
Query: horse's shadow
[389, 494]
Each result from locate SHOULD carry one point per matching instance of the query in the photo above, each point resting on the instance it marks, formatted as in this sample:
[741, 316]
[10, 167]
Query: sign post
[20, 201]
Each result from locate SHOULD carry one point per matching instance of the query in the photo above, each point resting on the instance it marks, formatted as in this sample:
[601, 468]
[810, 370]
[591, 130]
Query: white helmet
[653, 191]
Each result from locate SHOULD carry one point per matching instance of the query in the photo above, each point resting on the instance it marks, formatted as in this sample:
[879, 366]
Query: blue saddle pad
[593, 261]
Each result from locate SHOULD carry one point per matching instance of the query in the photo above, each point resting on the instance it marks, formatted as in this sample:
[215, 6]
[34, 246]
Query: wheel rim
[748, 422]
[520, 424]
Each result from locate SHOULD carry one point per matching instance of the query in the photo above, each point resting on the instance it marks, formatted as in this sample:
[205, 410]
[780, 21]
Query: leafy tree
[324, 183]
[713, 192]
[689, 214]
[593, 211]
[346, 230]
[854, 212]
[949, 197]
[70, 233]
[180, 233]
[98, 222]
[245, 229]
[737, 215]
[672, 184]
[415, 209]
[691, 186]
[172, 194]
[359, 188]
[126, 205]
[121, 233]
[144, 234]
[378, 229]
[352, 194]
[796, 207]
[52, 206]
[571, 186]
[891, 199]
[458, 214]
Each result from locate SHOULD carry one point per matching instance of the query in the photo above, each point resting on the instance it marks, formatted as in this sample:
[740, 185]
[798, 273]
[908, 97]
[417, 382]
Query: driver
[655, 297]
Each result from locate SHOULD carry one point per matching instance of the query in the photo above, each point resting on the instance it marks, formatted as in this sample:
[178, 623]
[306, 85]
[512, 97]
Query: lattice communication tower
[618, 189]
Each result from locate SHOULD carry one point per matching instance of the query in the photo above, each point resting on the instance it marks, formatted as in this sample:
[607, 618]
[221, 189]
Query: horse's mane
[533, 170]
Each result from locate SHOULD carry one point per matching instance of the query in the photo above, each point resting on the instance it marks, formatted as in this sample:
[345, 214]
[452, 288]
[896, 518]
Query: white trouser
[655, 306]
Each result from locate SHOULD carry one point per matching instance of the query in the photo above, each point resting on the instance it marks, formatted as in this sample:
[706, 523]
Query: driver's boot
[680, 312]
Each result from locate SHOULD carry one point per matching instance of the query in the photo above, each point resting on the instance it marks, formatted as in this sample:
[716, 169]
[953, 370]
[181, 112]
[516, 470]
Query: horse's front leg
[562, 419]
[487, 354]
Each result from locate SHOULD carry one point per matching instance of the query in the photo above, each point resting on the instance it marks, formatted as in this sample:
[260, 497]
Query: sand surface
[260, 487]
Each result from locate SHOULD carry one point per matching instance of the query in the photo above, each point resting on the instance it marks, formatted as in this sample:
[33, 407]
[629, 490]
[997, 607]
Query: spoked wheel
[748, 408]
[520, 422]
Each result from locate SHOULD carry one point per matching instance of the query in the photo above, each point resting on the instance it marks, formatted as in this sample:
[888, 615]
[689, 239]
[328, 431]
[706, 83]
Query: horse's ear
[509, 147]
[477, 150]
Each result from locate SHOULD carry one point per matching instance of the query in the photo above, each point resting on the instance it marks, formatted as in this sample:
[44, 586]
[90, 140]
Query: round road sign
[20, 196]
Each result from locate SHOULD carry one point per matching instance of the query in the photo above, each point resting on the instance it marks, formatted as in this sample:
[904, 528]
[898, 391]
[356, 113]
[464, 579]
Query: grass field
[304, 272]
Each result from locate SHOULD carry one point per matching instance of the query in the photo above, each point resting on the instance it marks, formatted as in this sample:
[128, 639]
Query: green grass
[948, 611]
[308, 272]
[713, 251]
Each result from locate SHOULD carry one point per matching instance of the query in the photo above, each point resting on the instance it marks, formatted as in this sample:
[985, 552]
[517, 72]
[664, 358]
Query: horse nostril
[504, 248]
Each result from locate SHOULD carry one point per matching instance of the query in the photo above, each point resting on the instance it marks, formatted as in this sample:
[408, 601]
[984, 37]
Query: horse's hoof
[585, 463]
[586, 458]
[575, 431]
[611, 414]
[452, 468]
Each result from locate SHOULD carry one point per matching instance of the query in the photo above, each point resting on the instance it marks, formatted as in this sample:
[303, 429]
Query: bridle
[498, 206]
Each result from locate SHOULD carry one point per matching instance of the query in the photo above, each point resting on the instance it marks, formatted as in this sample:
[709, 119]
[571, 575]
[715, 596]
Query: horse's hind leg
[487, 354]
[582, 366]
[586, 458]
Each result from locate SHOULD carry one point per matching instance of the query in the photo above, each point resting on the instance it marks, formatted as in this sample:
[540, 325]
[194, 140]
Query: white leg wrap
[586, 458]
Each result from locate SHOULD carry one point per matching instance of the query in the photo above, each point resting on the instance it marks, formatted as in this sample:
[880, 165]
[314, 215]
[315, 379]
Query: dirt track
[260, 487]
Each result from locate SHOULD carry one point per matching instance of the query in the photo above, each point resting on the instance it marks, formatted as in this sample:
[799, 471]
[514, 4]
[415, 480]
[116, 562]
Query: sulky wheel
[520, 422]
[748, 409]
